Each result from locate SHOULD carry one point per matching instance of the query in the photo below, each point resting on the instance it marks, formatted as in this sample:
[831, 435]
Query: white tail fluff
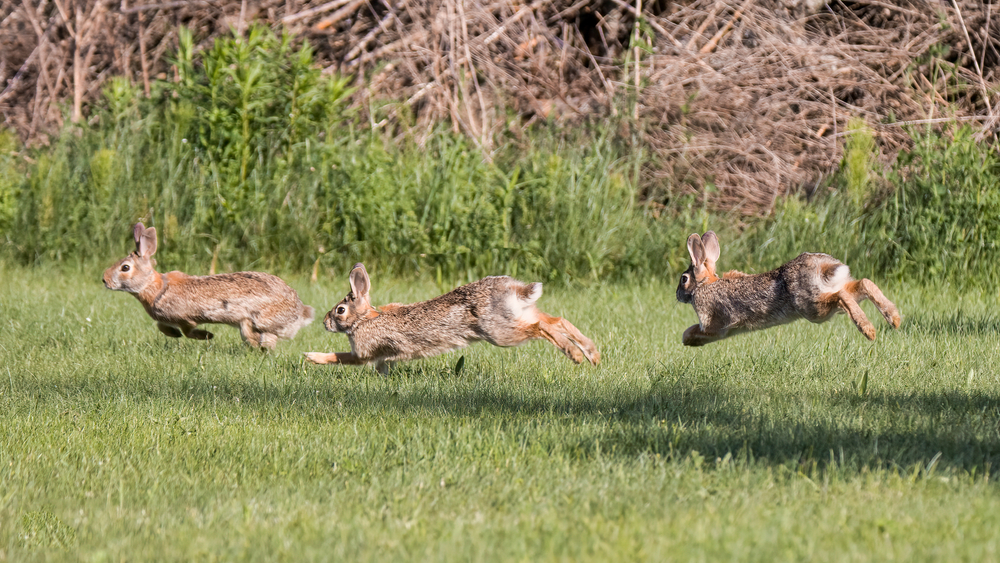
[536, 293]
[523, 308]
[837, 281]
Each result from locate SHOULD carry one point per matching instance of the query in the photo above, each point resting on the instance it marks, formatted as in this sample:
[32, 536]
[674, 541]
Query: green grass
[117, 443]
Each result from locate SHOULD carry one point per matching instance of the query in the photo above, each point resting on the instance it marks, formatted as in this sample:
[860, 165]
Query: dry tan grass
[751, 95]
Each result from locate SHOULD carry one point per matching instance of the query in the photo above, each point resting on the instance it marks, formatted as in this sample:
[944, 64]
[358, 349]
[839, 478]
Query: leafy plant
[939, 223]
[944, 220]
[860, 157]
[251, 158]
[9, 179]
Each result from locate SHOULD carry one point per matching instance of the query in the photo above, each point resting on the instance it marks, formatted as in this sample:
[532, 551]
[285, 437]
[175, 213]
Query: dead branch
[340, 14]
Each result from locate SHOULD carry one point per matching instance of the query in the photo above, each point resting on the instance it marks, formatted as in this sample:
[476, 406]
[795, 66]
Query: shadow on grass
[680, 418]
[959, 323]
[672, 417]
[891, 431]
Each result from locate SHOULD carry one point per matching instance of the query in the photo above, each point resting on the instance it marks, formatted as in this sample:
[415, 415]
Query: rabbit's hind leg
[552, 332]
[848, 302]
[561, 325]
[866, 289]
[268, 341]
[257, 338]
[250, 334]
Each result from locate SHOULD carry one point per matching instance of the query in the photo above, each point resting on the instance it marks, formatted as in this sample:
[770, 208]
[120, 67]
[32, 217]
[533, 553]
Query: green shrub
[943, 222]
[858, 165]
[251, 158]
[940, 222]
[10, 174]
[251, 96]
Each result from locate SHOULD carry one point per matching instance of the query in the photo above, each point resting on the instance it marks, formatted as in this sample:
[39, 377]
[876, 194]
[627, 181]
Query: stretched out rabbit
[813, 287]
[262, 306]
[497, 309]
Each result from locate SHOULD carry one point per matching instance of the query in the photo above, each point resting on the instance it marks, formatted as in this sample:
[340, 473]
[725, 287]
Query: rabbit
[497, 309]
[262, 306]
[813, 286]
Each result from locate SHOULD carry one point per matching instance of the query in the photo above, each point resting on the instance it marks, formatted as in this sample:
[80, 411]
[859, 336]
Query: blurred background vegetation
[251, 157]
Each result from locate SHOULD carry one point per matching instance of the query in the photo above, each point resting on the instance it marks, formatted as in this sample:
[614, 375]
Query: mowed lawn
[119, 444]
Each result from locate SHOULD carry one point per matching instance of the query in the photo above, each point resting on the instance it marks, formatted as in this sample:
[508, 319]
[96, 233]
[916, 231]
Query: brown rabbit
[812, 286]
[262, 306]
[497, 309]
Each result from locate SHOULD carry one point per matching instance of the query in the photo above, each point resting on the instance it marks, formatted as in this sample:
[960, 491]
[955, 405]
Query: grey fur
[812, 286]
[497, 309]
[261, 305]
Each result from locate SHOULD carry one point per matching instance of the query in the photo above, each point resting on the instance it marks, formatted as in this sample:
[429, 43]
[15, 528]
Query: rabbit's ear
[360, 284]
[147, 242]
[137, 231]
[696, 249]
[712, 248]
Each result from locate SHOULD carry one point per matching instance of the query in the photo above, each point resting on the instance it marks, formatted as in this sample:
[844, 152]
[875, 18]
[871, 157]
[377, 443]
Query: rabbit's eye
[125, 267]
[341, 310]
[685, 278]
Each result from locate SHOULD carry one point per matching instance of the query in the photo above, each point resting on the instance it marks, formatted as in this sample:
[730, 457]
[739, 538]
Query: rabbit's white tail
[833, 277]
[521, 302]
[534, 292]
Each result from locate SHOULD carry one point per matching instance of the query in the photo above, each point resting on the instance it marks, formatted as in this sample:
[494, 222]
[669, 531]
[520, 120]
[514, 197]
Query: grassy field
[117, 443]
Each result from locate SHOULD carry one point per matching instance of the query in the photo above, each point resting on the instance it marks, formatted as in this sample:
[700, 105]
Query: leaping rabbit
[813, 287]
[262, 306]
[497, 309]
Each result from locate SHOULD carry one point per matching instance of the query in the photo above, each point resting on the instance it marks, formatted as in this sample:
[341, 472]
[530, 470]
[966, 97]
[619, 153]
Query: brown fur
[497, 309]
[262, 306]
[812, 286]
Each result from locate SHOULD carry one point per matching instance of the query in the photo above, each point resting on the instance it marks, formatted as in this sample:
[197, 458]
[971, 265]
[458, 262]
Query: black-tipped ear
[712, 248]
[147, 242]
[360, 284]
[696, 249]
[137, 231]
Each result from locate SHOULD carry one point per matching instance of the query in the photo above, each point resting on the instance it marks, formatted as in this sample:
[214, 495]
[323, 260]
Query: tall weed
[944, 221]
[938, 222]
[857, 170]
[11, 170]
